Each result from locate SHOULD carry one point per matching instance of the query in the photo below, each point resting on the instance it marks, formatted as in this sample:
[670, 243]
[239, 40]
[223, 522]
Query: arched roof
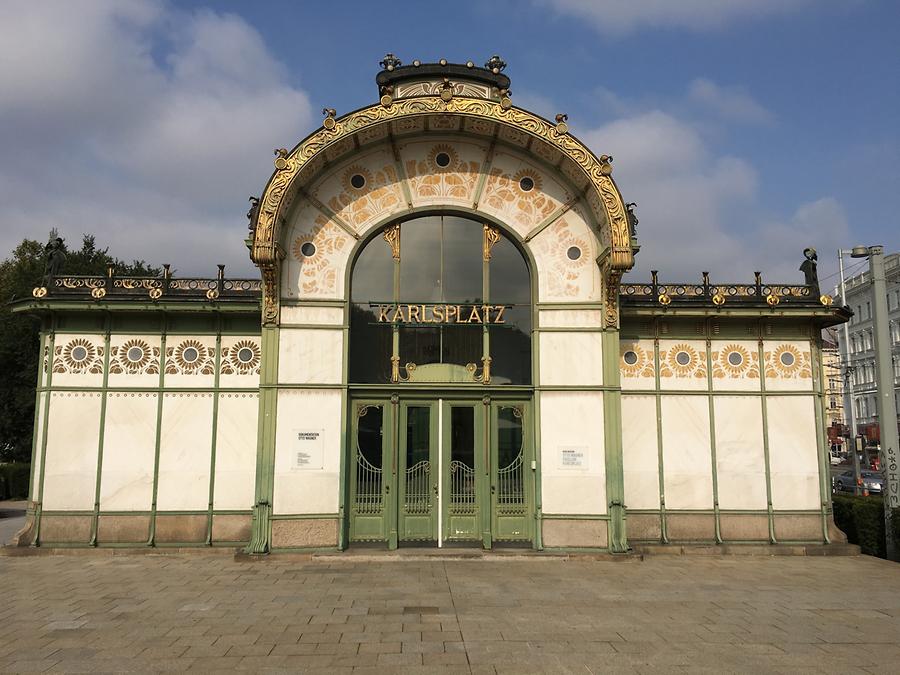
[342, 136]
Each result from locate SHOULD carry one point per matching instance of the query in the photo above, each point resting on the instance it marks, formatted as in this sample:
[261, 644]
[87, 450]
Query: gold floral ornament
[190, 357]
[568, 256]
[718, 299]
[826, 300]
[635, 361]
[682, 360]
[735, 361]
[772, 299]
[316, 251]
[134, 357]
[519, 197]
[39, 291]
[366, 194]
[77, 357]
[442, 174]
[664, 300]
[786, 361]
[242, 358]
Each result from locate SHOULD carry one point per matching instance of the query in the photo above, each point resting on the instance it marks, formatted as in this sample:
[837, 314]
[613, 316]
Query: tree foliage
[19, 333]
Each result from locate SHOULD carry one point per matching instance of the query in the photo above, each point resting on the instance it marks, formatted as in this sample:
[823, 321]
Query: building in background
[837, 425]
[858, 369]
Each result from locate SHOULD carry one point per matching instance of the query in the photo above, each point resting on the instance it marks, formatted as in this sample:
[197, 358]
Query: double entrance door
[440, 471]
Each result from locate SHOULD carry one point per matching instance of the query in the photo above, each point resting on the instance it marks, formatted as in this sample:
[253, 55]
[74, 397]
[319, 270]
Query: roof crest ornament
[495, 64]
[389, 62]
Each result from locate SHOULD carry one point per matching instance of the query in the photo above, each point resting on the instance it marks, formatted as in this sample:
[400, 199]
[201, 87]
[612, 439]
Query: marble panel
[184, 452]
[236, 451]
[319, 316]
[305, 533]
[36, 452]
[735, 365]
[73, 438]
[190, 361]
[313, 488]
[571, 318]
[682, 365]
[687, 458]
[574, 359]
[310, 356]
[575, 533]
[640, 453]
[740, 458]
[637, 367]
[793, 459]
[573, 463]
[134, 360]
[788, 365]
[78, 360]
[129, 448]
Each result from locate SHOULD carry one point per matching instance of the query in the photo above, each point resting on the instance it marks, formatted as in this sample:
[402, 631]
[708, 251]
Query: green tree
[19, 333]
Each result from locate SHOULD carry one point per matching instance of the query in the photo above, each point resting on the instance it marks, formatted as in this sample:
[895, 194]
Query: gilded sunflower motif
[356, 179]
[78, 356]
[682, 360]
[442, 157]
[635, 361]
[190, 357]
[787, 361]
[132, 357]
[733, 361]
[527, 181]
[242, 358]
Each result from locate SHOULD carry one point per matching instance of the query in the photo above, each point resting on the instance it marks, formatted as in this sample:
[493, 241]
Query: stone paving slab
[660, 615]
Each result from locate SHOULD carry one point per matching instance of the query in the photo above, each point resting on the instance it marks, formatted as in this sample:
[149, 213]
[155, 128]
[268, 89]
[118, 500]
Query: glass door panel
[462, 464]
[417, 511]
[511, 484]
[368, 484]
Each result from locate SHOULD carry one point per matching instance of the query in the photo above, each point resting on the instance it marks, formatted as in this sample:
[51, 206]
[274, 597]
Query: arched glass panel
[442, 304]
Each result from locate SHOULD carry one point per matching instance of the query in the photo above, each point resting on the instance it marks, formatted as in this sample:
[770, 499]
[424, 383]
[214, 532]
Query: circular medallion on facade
[134, 354]
[442, 157]
[245, 356]
[735, 359]
[528, 181]
[630, 357]
[574, 253]
[190, 355]
[308, 249]
[787, 360]
[356, 179]
[304, 248]
[79, 353]
[683, 359]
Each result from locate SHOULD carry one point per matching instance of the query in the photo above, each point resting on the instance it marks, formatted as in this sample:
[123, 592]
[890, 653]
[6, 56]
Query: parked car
[873, 482]
[836, 459]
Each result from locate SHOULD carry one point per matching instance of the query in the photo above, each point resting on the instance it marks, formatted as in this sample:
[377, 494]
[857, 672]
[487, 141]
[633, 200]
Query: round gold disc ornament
[155, 293]
[281, 163]
[98, 293]
[562, 128]
[772, 299]
[212, 294]
[826, 300]
[39, 292]
[386, 100]
[446, 94]
[718, 299]
[506, 103]
[329, 123]
[664, 300]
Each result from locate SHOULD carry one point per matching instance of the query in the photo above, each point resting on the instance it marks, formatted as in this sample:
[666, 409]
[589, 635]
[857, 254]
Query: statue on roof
[55, 258]
[810, 273]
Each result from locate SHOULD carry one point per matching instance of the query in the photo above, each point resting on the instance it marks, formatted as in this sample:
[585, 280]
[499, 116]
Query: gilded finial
[281, 158]
[329, 122]
[561, 126]
[389, 62]
[495, 64]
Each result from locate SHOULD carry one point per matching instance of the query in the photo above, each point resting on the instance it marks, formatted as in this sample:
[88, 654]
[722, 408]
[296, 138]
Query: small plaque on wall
[308, 452]
[573, 457]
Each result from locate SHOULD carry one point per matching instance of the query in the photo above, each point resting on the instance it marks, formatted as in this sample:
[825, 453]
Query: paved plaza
[98, 612]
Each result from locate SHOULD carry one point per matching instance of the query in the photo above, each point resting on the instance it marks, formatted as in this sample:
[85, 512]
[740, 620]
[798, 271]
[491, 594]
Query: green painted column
[612, 422]
[261, 535]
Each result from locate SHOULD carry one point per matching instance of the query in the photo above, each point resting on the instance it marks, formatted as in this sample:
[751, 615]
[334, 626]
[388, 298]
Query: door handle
[434, 487]
[493, 489]
[387, 489]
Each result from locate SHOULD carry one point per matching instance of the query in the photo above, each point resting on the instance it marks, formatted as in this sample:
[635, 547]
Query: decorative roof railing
[153, 288]
[706, 292]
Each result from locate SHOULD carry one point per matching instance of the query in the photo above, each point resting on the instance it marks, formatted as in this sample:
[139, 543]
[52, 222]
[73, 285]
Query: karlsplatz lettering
[442, 314]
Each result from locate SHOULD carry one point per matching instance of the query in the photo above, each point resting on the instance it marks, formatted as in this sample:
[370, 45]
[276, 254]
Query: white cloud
[152, 144]
[733, 104]
[619, 17]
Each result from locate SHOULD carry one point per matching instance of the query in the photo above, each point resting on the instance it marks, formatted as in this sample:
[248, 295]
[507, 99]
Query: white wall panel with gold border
[313, 356]
[788, 365]
[572, 359]
[735, 365]
[185, 448]
[307, 474]
[573, 465]
[687, 458]
[73, 437]
[78, 360]
[640, 452]
[682, 365]
[239, 361]
[793, 459]
[236, 450]
[740, 457]
[129, 447]
[134, 360]
[637, 368]
[190, 361]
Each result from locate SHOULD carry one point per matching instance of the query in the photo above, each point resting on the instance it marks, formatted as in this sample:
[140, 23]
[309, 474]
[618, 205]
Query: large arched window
[440, 299]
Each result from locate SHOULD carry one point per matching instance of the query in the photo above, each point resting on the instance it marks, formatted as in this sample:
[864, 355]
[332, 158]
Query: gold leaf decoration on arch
[428, 180]
[379, 194]
[643, 365]
[318, 272]
[564, 277]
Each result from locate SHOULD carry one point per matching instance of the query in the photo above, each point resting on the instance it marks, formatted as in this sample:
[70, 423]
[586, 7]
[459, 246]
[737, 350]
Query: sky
[745, 130]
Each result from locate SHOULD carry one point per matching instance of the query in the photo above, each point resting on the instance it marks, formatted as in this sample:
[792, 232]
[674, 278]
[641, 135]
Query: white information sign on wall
[308, 452]
[573, 457]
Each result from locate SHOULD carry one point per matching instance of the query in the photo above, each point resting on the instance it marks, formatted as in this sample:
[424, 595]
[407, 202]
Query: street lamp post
[884, 379]
[848, 380]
